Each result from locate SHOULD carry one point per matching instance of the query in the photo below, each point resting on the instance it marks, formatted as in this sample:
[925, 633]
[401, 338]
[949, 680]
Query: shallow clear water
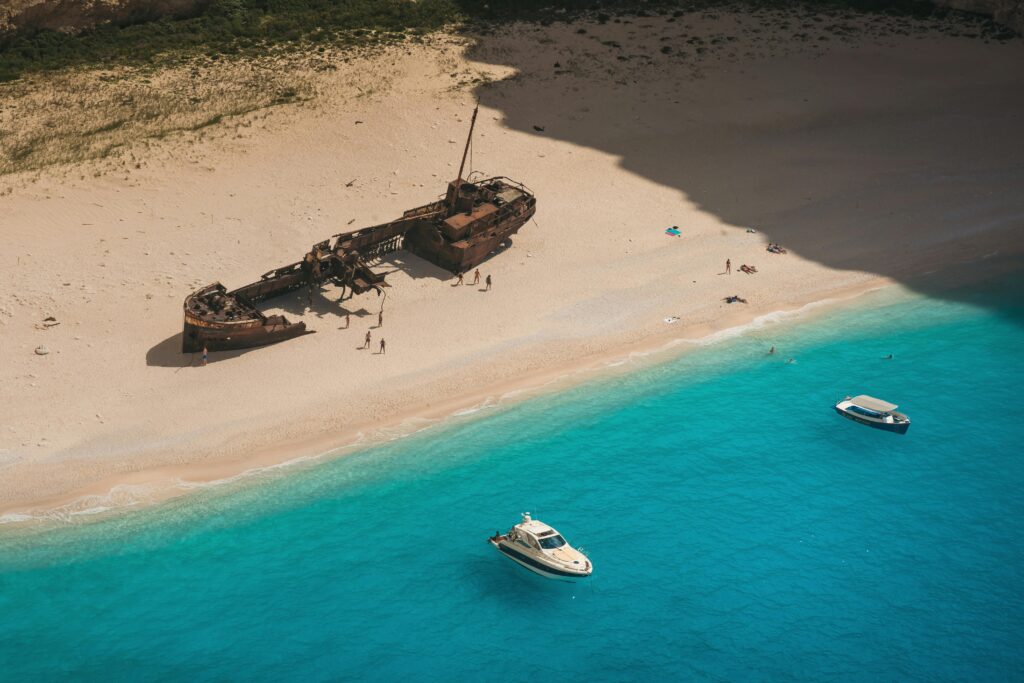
[739, 529]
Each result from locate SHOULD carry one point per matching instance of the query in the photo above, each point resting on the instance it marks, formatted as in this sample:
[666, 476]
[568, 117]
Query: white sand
[870, 160]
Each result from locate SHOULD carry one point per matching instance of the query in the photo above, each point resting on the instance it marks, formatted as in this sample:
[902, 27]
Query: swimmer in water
[771, 351]
[889, 357]
[791, 360]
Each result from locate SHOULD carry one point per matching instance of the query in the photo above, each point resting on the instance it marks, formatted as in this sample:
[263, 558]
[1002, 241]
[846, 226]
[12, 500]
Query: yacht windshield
[552, 542]
[864, 411]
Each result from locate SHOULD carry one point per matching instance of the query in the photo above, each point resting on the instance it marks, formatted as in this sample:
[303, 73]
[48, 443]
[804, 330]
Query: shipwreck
[456, 232]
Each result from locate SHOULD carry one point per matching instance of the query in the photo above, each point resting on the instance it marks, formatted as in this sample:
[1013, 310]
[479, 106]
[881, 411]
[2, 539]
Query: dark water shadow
[869, 163]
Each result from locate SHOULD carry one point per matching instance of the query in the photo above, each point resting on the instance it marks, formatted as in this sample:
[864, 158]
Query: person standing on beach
[380, 318]
[348, 320]
[382, 347]
[366, 345]
[728, 266]
[206, 354]
[488, 281]
[476, 277]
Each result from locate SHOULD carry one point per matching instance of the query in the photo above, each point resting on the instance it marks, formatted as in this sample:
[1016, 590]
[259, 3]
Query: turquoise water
[739, 529]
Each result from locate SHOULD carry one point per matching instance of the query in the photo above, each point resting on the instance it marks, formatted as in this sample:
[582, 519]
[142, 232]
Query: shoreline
[922, 172]
[122, 494]
[152, 487]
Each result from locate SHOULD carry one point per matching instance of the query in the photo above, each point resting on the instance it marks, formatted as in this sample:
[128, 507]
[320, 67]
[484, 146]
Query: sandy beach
[873, 157]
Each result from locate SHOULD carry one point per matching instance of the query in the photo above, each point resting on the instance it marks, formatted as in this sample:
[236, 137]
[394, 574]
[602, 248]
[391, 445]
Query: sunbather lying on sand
[749, 270]
[734, 299]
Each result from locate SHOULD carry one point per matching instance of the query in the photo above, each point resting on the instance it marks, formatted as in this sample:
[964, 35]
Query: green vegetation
[77, 115]
[249, 27]
[226, 27]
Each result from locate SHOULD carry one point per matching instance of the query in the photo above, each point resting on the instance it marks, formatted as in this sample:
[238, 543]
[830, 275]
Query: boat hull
[457, 234]
[464, 255]
[894, 427]
[195, 337]
[536, 566]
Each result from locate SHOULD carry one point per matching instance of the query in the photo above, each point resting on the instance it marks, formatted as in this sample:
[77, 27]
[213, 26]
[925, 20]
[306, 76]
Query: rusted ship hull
[238, 326]
[227, 339]
[429, 241]
[457, 233]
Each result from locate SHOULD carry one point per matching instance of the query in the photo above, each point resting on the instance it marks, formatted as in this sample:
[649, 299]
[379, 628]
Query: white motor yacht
[874, 412]
[541, 549]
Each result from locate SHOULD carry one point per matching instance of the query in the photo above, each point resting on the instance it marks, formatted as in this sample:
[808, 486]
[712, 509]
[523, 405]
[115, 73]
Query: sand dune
[872, 158]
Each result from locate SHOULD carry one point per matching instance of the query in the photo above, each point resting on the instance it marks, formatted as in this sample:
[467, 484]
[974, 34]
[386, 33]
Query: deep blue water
[740, 530]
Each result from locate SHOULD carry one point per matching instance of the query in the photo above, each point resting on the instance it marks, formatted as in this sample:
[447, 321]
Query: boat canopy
[875, 404]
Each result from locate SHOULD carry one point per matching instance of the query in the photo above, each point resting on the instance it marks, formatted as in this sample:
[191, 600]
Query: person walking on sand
[460, 282]
[476, 276]
[382, 347]
[380, 318]
[728, 266]
[488, 281]
[366, 345]
[206, 355]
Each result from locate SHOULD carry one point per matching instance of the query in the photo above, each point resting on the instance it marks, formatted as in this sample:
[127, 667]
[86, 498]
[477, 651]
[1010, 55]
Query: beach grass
[76, 115]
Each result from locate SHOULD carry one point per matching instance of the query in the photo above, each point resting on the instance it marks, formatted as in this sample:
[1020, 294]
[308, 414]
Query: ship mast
[469, 138]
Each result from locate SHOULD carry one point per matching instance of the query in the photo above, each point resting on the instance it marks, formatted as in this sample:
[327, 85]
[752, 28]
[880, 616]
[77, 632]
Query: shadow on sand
[297, 305]
[869, 154]
[167, 354]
